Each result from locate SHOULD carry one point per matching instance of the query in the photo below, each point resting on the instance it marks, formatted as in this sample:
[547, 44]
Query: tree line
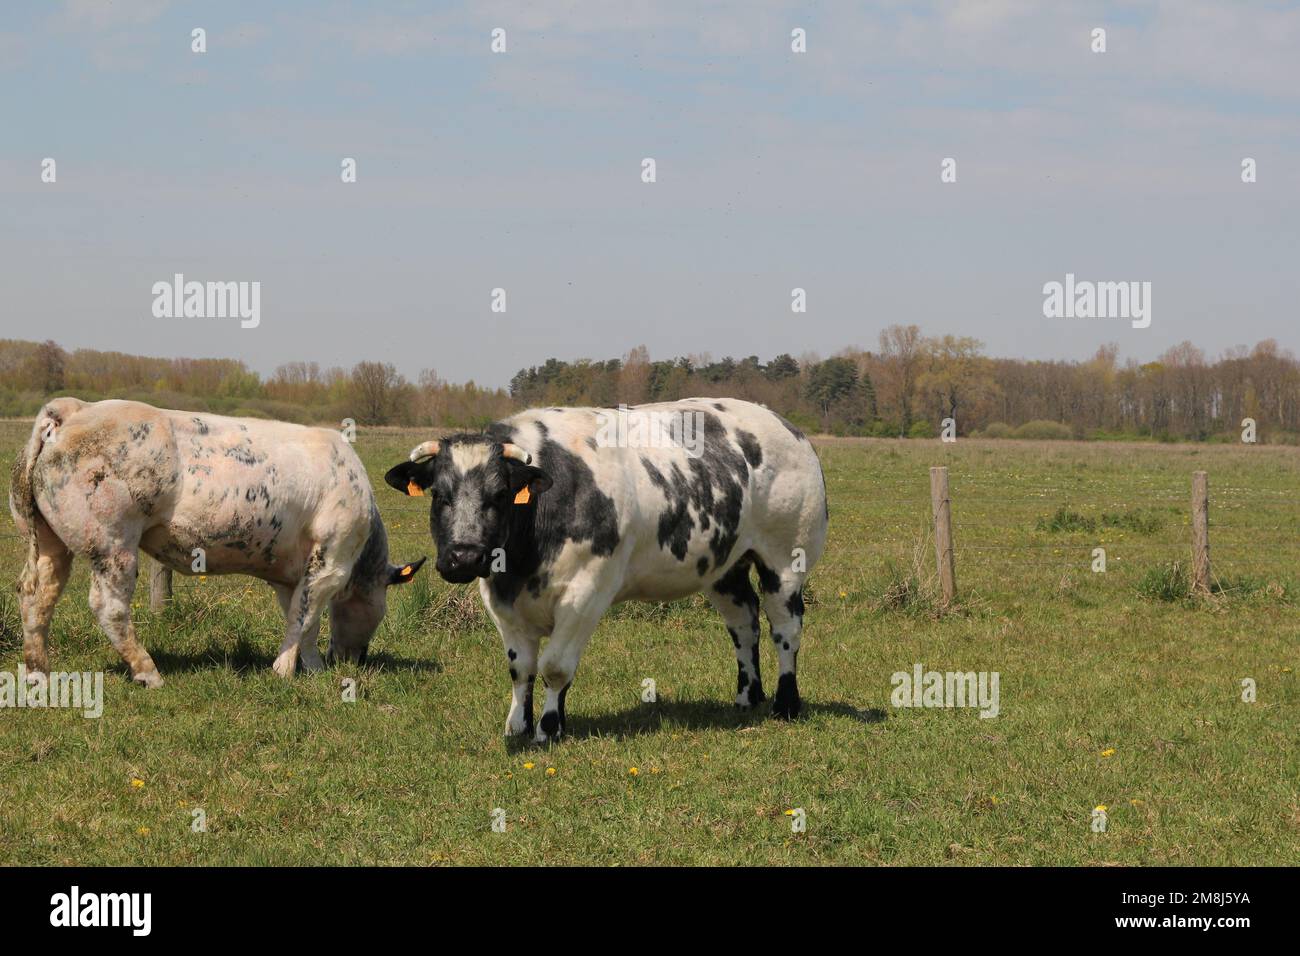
[907, 386]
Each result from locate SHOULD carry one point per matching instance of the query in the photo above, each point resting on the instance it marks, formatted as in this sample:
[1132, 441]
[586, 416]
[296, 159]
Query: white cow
[563, 512]
[286, 504]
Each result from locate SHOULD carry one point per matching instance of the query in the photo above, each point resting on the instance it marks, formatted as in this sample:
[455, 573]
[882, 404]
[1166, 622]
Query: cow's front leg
[302, 613]
[574, 625]
[523, 675]
[520, 639]
[308, 651]
[309, 648]
[521, 658]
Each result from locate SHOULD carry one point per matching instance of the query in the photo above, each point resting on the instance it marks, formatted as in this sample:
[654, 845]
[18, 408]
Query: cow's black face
[472, 489]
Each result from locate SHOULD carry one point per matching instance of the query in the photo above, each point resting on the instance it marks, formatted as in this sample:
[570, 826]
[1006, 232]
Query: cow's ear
[410, 477]
[404, 574]
[527, 481]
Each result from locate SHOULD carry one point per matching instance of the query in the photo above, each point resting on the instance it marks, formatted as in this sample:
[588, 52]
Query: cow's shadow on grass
[667, 715]
[245, 659]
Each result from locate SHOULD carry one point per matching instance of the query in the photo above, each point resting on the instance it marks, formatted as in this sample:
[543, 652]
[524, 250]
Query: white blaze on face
[466, 509]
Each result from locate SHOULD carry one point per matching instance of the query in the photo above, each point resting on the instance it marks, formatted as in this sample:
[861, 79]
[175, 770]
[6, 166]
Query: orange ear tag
[523, 497]
[414, 490]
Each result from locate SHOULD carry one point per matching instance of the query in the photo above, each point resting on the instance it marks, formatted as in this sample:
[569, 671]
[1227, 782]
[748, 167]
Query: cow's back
[687, 505]
[258, 495]
[245, 495]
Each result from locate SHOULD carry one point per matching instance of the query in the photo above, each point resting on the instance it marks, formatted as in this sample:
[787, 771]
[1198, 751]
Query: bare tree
[634, 377]
[373, 388]
[902, 354]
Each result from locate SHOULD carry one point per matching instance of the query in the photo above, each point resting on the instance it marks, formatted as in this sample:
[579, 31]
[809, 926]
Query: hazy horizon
[522, 170]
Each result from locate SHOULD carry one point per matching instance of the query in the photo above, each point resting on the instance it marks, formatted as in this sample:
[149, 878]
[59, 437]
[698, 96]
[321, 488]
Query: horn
[425, 450]
[509, 450]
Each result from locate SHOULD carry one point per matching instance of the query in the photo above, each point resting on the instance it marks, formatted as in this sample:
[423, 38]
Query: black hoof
[786, 704]
[550, 729]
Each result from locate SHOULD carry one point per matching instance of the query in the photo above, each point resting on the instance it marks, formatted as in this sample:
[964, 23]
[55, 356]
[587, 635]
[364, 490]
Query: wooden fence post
[1200, 532]
[160, 585]
[941, 505]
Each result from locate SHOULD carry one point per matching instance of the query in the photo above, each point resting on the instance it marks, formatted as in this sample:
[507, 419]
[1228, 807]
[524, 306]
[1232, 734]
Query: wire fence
[999, 541]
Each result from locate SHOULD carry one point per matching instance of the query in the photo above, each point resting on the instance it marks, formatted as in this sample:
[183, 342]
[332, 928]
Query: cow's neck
[523, 552]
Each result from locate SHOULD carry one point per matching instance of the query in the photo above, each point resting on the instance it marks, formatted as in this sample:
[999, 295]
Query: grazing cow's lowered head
[358, 610]
[480, 491]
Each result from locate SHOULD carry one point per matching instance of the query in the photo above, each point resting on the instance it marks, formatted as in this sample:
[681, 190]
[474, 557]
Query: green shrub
[1064, 521]
[1139, 521]
[997, 430]
[921, 429]
[1168, 582]
[1041, 430]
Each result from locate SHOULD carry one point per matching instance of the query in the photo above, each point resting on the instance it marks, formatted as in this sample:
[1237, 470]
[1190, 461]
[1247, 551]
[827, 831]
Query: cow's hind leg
[39, 587]
[783, 606]
[734, 598]
[112, 583]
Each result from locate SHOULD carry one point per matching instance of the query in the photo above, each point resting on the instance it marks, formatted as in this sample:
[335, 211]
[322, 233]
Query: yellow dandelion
[994, 800]
[529, 766]
[1100, 808]
[633, 771]
[137, 782]
[844, 594]
[789, 813]
[550, 771]
[143, 831]
[1136, 803]
[1108, 752]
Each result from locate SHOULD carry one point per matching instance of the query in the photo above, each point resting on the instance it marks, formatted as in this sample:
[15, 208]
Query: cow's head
[357, 611]
[474, 484]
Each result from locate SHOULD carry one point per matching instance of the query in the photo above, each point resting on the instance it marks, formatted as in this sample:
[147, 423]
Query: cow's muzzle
[463, 563]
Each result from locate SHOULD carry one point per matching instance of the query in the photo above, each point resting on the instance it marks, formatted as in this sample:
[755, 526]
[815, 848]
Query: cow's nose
[466, 554]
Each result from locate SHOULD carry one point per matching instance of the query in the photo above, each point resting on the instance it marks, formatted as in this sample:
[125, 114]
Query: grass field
[1108, 697]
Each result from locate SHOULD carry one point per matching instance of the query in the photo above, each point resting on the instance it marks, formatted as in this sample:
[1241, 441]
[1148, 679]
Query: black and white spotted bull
[563, 512]
[284, 503]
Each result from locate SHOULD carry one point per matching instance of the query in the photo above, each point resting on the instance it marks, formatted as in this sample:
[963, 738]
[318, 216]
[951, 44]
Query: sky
[522, 171]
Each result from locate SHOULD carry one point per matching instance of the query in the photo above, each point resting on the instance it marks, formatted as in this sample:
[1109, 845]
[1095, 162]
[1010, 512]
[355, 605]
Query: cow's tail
[22, 496]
